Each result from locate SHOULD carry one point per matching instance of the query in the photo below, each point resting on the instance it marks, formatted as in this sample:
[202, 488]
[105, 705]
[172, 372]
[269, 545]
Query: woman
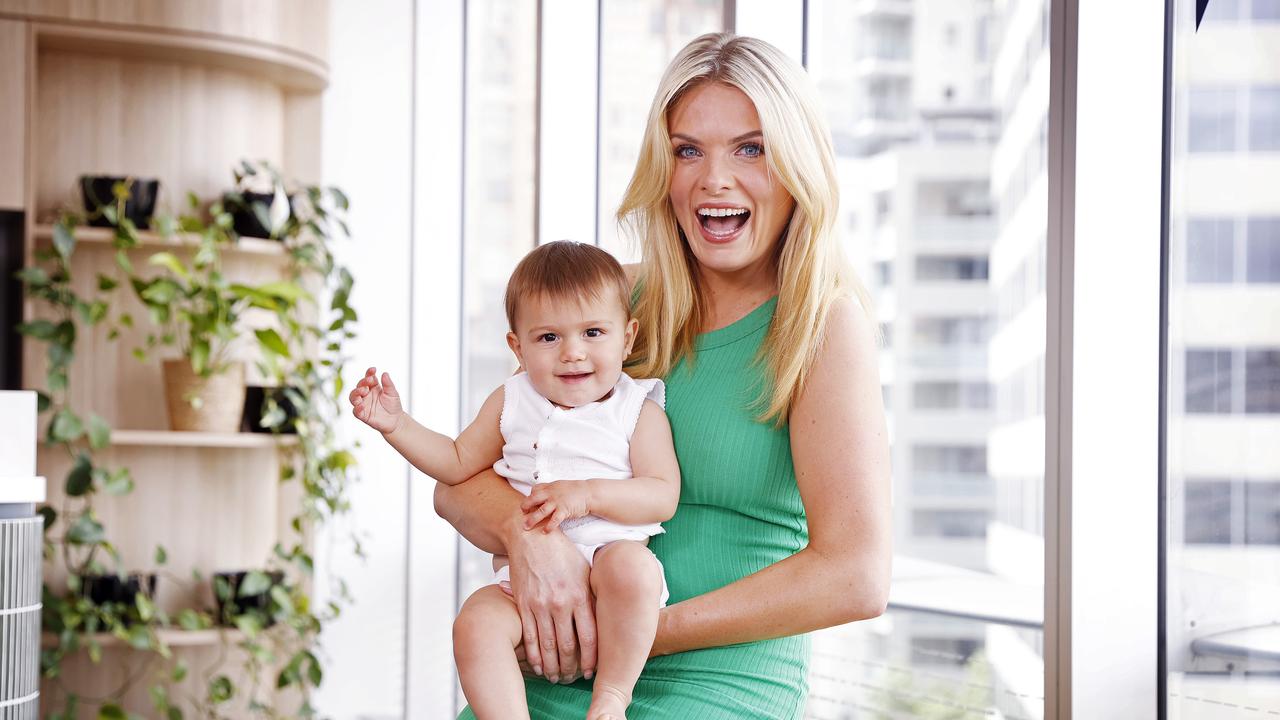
[769, 353]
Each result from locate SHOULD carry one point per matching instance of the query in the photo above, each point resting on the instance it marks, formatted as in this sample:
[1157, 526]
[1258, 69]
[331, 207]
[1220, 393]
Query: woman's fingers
[547, 645]
[557, 517]
[567, 645]
[530, 629]
[389, 387]
[584, 622]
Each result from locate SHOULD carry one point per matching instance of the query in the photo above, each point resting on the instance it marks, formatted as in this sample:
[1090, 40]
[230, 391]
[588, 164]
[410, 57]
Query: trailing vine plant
[197, 309]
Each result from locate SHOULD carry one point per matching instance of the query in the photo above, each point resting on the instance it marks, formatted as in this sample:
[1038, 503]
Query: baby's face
[573, 351]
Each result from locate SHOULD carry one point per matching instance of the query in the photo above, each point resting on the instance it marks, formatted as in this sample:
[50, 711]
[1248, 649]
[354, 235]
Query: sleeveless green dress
[739, 512]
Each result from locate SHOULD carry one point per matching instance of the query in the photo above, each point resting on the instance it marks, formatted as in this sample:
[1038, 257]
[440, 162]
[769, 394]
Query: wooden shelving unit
[155, 241]
[173, 637]
[182, 92]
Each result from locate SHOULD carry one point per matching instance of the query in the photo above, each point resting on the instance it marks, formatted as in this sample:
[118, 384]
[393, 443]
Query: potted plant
[199, 311]
[259, 204]
[118, 594]
[246, 592]
[109, 199]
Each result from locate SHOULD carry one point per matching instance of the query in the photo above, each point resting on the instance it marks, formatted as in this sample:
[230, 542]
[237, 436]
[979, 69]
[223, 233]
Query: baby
[588, 445]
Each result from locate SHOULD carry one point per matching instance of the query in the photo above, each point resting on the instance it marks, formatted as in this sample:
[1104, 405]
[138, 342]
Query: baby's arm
[648, 497]
[378, 405]
[452, 461]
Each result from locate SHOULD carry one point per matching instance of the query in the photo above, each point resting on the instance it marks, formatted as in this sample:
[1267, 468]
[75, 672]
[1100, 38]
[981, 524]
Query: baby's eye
[686, 151]
[594, 332]
[547, 337]
[752, 149]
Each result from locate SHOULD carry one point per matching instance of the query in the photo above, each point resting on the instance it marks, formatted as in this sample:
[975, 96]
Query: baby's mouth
[575, 377]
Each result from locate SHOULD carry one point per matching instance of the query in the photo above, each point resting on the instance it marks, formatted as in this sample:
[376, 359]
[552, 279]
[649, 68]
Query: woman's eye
[547, 337]
[686, 151]
[595, 332]
[752, 150]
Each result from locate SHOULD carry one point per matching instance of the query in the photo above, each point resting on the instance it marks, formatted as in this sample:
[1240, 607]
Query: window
[951, 395]
[949, 458]
[950, 523]
[1208, 381]
[1212, 122]
[1222, 490]
[1210, 250]
[1263, 249]
[1262, 381]
[950, 331]
[947, 267]
[1264, 118]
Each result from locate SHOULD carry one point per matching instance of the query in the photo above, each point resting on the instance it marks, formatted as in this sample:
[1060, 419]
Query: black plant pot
[104, 590]
[257, 604]
[141, 205]
[244, 219]
[255, 406]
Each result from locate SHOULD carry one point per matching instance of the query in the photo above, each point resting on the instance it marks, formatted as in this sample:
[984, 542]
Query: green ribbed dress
[739, 511]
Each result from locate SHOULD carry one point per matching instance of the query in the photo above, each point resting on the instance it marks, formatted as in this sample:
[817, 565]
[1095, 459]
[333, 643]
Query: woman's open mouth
[722, 225]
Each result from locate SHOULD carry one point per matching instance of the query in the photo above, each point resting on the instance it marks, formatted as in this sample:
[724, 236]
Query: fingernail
[537, 670]
[587, 674]
[553, 679]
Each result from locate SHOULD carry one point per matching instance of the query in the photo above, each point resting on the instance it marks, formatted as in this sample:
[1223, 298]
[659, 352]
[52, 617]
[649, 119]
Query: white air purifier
[21, 541]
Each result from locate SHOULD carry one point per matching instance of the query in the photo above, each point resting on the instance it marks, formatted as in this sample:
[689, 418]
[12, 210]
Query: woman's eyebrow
[740, 138]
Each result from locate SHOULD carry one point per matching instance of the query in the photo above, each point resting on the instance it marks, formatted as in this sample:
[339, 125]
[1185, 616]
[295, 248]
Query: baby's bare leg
[627, 583]
[485, 635]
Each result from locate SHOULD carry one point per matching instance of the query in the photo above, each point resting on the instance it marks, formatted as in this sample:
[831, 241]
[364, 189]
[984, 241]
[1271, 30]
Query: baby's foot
[608, 703]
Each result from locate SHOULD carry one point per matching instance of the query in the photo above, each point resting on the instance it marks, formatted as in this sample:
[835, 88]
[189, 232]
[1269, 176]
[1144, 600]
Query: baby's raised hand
[376, 404]
[556, 502]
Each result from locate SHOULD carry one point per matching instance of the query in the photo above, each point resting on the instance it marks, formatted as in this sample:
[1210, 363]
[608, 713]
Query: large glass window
[638, 39]
[942, 149]
[498, 222]
[1222, 545]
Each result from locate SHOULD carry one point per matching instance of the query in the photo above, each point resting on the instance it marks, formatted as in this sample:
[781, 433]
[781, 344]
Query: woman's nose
[716, 175]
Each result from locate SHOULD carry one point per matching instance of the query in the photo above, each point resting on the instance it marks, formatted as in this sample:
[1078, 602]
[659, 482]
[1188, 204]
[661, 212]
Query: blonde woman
[769, 353]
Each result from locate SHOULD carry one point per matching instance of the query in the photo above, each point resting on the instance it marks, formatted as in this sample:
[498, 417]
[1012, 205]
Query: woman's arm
[549, 577]
[839, 444]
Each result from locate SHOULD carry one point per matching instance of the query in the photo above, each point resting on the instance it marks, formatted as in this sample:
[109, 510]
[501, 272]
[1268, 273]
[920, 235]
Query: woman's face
[731, 208]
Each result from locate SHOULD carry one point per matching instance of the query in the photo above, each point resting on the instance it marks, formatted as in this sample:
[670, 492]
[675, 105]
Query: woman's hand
[556, 502]
[376, 404]
[551, 588]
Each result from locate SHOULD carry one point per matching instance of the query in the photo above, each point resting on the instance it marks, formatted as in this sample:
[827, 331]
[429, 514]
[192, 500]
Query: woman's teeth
[721, 212]
[723, 221]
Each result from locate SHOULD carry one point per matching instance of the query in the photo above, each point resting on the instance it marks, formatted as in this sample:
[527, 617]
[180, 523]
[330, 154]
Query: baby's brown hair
[567, 270]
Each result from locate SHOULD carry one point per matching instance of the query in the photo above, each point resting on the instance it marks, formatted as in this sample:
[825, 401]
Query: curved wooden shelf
[173, 637]
[287, 69]
[174, 438]
[105, 236]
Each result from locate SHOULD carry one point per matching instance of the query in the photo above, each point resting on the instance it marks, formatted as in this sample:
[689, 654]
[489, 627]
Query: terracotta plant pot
[212, 404]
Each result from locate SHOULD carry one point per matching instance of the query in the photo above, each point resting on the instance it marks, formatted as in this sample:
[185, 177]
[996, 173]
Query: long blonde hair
[812, 272]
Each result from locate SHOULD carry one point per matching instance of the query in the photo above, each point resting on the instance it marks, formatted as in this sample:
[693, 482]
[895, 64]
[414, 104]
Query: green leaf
[255, 582]
[80, 479]
[139, 635]
[38, 329]
[99, 432]
[106, 283]
[146, 610]
[33, 276]
[220, 689]
[160, 292]
[199, 356]
[66, 426]
[111, 712]
[85, 531]
[162, 556]
[189, 619]
[314, 673]
[221, 588]
[340, 198]
[63, 240]
[43, 401]
[272, 342]
[50, 517]
[249, 625]
[172, 263]
[119, 482]
[179, 671]
[284, 289]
